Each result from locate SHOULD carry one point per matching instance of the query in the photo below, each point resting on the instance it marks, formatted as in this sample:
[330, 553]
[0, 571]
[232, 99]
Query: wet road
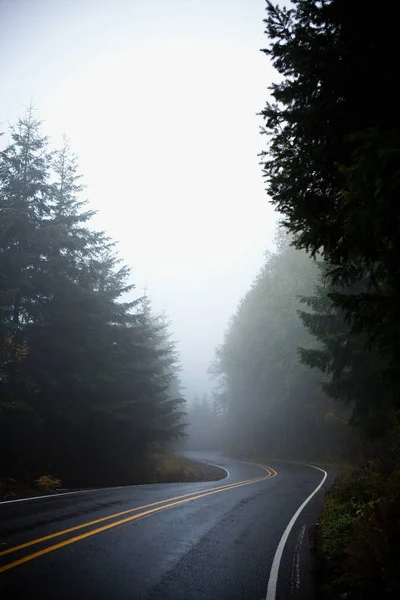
[190, 541]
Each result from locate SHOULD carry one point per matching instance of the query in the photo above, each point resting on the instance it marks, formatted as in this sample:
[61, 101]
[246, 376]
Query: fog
[159, 100]
[159, 309]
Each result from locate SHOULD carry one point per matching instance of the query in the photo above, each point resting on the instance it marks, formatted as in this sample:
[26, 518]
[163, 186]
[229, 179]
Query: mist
[160, 105]
[159, 101]
[266, 401]
[199, 281]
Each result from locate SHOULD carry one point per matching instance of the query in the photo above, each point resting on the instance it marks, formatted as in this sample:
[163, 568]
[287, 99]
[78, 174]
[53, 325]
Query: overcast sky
[159, 100]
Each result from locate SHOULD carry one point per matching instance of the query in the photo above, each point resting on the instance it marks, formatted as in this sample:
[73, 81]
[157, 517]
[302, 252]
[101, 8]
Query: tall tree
[203, 430]
[354, 372]
[24, 207]
[91, 369]
[274, 404]
[332, 159]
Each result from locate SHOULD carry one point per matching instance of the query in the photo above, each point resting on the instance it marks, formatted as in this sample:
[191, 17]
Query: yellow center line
[113, 516]
[92, 532]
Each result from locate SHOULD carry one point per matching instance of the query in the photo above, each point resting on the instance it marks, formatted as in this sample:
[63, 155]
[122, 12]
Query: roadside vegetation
[173, 468]
[160, 468]
[357, 539]
[309, 367]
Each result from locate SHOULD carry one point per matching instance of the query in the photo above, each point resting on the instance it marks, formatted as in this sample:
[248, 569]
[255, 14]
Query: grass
[174, 469]
[11, 489]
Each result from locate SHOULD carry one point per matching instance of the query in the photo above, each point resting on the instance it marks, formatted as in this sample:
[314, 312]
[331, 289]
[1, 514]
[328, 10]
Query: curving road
[232, 539]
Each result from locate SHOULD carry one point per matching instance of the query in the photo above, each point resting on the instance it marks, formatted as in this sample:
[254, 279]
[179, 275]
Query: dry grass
[48, 482]
[174, 469]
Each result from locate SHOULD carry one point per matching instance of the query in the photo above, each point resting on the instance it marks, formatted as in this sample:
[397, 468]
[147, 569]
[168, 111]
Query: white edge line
[213, 465]
[273, 576]
[104, 489]
[56, 495]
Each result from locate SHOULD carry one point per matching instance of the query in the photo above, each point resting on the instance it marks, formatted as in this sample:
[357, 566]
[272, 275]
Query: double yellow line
[150, 509]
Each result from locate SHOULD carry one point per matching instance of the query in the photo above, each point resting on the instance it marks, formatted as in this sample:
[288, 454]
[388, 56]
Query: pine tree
[95, 371]
[273, 404]
[203, 431]
[24, 207]
[24, 197]
[332, 158]
[170, 399]
[353, 372]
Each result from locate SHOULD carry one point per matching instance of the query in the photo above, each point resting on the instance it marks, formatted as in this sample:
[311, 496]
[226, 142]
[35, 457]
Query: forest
[309, 366]
[89, 374]
[271, 401]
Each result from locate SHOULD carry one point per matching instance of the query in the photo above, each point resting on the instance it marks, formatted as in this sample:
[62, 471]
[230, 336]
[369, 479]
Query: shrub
[47, 482]
[173, 468]
[358, 538]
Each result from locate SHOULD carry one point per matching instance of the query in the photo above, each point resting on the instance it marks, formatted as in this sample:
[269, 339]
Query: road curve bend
[221, 540]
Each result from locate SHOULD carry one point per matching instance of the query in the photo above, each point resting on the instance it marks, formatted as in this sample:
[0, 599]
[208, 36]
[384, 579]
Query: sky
[159, 99]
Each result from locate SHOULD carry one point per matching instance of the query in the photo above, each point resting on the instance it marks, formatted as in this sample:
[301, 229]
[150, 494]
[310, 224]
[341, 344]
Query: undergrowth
[358, 537]
[173, 468]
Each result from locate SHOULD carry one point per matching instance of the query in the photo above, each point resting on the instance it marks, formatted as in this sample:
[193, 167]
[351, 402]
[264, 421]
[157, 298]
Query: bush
[357, 544]
[47, 482]
[173, 468]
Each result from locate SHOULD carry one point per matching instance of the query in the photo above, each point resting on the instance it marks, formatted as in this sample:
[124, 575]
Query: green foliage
[89, 380]
[354, 371]
[332, 160]
[358, 539]
[332, 166]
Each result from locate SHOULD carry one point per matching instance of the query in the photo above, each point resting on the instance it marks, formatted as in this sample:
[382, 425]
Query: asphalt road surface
[237, 538]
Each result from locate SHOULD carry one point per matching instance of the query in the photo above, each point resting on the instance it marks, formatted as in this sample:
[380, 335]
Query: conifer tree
[82, 360]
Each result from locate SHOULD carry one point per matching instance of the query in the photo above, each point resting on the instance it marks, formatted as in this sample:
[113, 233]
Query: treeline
[88, 378]
[273, 405]
[332, 172]
[205, 424]
[329, 297]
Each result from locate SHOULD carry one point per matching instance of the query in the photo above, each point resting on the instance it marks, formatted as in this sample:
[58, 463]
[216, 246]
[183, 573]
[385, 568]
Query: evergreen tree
[333, 151]
[273, 404]
[354, 373]
[93, 371]
[24, 208]
[203, 424]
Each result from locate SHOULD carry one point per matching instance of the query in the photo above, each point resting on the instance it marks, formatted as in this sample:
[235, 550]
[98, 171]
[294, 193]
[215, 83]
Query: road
[217, 540]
